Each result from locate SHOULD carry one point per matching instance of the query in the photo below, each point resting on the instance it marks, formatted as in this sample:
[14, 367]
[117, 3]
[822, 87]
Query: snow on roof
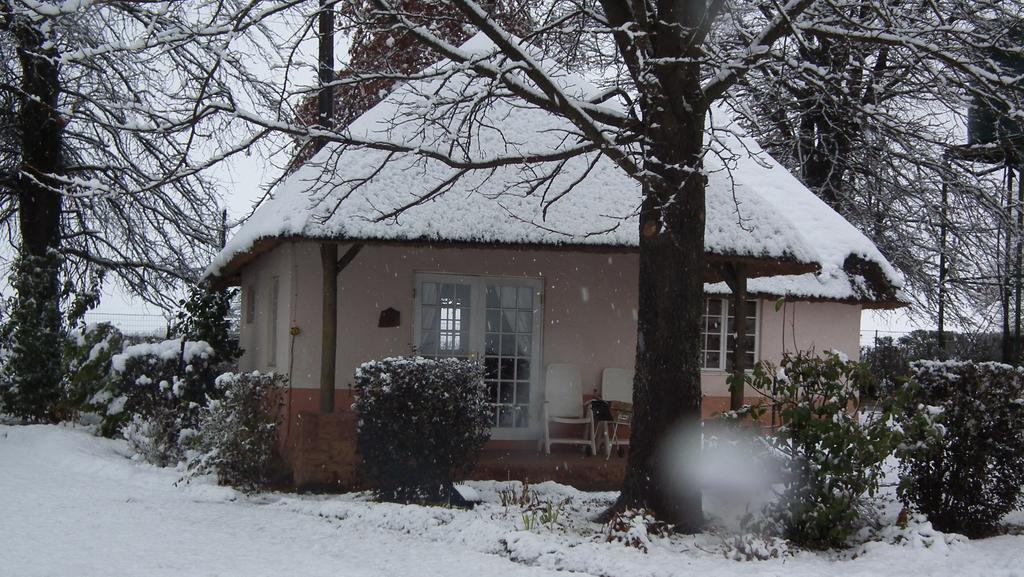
[835, 285]
[755, 207]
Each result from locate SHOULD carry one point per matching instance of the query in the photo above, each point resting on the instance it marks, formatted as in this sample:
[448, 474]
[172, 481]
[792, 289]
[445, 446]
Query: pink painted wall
[589, 309]
[255, 334]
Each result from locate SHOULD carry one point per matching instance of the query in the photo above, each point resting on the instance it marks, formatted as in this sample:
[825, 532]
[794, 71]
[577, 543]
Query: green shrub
[154, 392]
[420, 422]
[237, 434]
[208, 315]
[832, 457]
[30, 377]
[962, 460]
[87, 356]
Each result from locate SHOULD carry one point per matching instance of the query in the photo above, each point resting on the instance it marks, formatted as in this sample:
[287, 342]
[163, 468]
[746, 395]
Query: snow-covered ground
[75, 505]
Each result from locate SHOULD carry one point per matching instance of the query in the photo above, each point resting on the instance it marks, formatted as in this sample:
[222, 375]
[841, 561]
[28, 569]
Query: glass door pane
[444, 319]
[508, 350]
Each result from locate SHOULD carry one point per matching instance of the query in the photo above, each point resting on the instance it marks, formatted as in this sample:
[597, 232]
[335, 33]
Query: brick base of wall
[320, 451]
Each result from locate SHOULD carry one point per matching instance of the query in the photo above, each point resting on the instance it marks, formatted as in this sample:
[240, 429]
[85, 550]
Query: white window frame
[724, 334]
[273, 302]
[477, 329]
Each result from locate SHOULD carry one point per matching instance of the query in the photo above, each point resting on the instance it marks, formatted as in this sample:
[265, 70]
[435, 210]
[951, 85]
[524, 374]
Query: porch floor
[567, 465]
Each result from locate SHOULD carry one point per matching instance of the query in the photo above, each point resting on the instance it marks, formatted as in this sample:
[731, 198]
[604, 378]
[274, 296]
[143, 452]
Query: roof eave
[230, 273]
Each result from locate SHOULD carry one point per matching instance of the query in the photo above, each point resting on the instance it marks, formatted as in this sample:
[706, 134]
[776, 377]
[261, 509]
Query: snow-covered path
[74, 505]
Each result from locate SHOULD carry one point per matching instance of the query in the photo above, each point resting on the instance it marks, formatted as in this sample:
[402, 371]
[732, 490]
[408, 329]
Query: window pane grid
[718, 334]
[444, 320]
[507, 350]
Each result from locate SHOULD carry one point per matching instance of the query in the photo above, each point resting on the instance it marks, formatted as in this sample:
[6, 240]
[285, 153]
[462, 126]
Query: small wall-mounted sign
[389, 318]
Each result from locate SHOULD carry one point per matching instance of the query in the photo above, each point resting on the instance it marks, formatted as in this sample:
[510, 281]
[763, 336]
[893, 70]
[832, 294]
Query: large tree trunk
[666, 390]
[32, 373]
[42, 134]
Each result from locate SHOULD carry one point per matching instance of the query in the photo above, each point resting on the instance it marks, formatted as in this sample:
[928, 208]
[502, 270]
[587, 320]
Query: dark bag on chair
[602, 410]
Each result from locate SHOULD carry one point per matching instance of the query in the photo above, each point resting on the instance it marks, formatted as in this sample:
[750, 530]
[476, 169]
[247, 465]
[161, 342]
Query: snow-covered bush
[753, 547]
[87, 355]
[635, 528]
[421, 421]
[962, 460]
[832, 454]
[31, 338]
[154, 438]
[160, 388]
[237, 434]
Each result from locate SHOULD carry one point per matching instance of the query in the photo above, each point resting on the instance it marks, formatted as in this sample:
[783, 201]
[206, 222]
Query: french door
[497, 320]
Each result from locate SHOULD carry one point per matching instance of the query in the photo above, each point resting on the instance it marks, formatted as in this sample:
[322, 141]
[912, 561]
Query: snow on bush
[832, 455]
[754, 547]
[421, 421]
[916, 533]
[635, 528]
[962, 458]
[236, 438]
[153, 393]
[167, 350]
[87, 357]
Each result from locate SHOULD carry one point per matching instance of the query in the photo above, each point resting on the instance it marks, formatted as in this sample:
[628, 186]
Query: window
[272, 323]
[444, 319]
[508, 348]
[496, 320]
[250, 304]
[718, 333]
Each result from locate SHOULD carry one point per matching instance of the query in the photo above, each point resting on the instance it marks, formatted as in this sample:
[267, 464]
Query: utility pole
[943, 230]
[1007, 263]
[328, 250]
[1015, 357]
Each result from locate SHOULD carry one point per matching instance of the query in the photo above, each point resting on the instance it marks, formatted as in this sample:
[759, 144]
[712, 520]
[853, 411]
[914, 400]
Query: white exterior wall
[254, 338]
[589, 309]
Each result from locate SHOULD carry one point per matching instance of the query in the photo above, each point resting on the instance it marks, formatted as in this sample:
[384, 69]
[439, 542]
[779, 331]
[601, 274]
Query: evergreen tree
[30, 382]
[206, 315]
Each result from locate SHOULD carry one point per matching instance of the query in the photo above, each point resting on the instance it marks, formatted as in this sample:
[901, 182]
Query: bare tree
[111, 111]
[876, 129]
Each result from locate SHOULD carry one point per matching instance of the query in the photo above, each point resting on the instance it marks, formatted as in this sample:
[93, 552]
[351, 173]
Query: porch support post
[328, 250]
[736, 277]
[329, 336]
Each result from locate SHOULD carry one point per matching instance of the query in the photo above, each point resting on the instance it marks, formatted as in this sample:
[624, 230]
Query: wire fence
[134, 324]
[868, 338]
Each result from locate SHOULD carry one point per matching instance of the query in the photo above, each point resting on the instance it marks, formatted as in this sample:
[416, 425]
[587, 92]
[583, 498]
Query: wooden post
[328, 250]
[736, 277]
[329, 337]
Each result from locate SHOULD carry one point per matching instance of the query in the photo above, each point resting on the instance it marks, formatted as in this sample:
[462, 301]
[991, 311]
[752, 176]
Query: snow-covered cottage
[500, 265]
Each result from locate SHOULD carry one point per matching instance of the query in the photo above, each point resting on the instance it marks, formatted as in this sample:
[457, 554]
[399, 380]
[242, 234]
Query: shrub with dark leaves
[421, 421]
[88, 352]
[962, 460]
[832, 455]
[156, 391]
[209, 315]
[237, 434]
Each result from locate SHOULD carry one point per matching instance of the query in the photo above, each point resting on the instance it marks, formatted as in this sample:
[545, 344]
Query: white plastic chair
[563, 404]
[617, 389]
